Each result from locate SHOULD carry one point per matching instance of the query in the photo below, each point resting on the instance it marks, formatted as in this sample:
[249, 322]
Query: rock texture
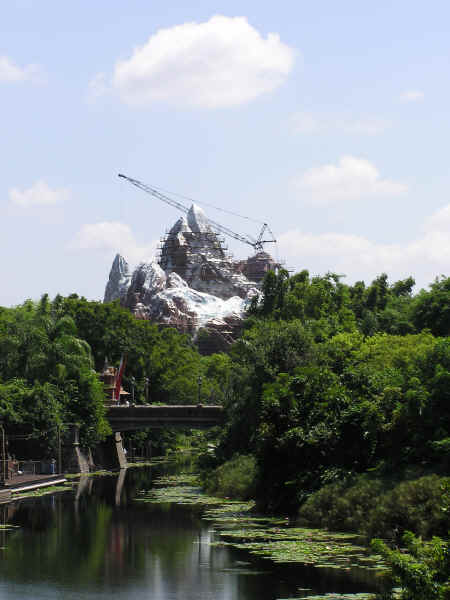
[195, 252]
[119, 280]
[193, 286]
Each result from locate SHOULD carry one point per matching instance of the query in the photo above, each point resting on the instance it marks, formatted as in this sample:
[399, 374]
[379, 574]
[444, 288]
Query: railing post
[3, 474]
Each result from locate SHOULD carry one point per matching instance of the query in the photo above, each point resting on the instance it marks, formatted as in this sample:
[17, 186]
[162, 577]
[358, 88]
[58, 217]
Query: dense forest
[337, 398]
[330, 381]
[52, 351]
[339, 413]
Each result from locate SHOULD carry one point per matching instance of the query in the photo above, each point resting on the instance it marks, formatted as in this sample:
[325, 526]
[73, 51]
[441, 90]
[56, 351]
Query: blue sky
[328, 119]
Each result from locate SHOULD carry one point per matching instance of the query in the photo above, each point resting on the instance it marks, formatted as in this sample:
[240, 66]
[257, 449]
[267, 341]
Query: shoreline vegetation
[338, 412]
[274, 538]
[337, 400]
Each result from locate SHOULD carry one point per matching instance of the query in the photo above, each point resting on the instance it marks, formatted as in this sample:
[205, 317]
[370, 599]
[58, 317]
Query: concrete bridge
[133, 418]
[110, 453]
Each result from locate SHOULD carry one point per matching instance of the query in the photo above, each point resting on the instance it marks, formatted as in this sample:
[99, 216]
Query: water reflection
[96, 542]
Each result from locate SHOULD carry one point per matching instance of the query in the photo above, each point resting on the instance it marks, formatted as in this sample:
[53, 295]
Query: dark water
[96, 543]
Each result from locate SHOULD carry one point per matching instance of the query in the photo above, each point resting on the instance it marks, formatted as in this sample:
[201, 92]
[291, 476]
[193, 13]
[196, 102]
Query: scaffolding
[256, 267]
[198, 249]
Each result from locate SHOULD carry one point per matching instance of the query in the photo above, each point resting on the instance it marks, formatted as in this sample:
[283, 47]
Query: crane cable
[257, 244]
[224, 210]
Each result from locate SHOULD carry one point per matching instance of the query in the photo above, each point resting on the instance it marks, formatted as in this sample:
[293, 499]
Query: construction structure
[207, 242]
[193, 283]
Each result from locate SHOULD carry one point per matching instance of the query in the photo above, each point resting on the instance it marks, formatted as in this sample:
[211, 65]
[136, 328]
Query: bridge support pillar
[110, 453]
[76, 459]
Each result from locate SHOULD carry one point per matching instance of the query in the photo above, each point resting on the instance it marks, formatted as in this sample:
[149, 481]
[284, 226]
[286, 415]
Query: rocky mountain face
[119, 280]
[193, 286]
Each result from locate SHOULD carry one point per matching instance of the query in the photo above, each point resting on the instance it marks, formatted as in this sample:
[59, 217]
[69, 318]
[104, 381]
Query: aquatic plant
[270, 537]
[44, 491]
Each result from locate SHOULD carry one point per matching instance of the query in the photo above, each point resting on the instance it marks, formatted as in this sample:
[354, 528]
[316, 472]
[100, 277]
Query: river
[96, 542]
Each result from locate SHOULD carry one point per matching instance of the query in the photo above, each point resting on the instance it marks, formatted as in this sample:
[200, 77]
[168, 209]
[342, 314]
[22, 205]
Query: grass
[44, 491]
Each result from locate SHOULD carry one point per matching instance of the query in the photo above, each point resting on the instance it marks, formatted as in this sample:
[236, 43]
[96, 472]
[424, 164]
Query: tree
[432, 309]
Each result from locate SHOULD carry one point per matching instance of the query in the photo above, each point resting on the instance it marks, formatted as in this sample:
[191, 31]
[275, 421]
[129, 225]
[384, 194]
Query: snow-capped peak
[197, 220]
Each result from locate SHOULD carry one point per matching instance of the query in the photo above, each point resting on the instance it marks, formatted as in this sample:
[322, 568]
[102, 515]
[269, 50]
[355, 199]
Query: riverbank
[98, 541]
[406, 511]
[370, 504]
[276, 539]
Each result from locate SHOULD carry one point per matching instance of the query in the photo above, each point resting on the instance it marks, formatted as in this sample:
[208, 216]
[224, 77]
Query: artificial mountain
[194, 285]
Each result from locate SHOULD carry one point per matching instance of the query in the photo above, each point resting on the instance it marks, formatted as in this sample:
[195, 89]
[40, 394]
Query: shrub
[340, 506]
[365, 505]
[419, 506]
[422, 573]
[236, 478]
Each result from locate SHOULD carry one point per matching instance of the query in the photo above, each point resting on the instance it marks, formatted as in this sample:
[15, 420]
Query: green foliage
[330, 381]
[343, 505]
[46, 379]
[380, 507]
[236, 478]
[50, 352]
[331, 306]
[167, 358]
[264, 350]
[419, 505]
[432, 308]
[422, 573]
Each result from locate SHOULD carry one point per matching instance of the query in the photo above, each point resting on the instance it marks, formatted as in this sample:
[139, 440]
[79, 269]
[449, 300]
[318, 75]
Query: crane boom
[257, 244]
[153, 192]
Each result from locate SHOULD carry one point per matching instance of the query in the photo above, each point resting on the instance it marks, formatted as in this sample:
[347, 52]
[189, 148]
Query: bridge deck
[132, 418]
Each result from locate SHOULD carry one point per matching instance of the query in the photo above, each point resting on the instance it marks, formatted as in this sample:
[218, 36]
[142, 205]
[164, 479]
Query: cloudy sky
[329, 120]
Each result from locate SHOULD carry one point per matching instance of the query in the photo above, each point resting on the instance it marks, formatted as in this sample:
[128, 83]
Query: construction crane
[258, 244]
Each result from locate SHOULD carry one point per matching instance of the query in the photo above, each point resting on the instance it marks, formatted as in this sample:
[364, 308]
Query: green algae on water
[267, 537]
[101, 473]
[184, 489]
[332, 596]
[43, 491]
[175, 480]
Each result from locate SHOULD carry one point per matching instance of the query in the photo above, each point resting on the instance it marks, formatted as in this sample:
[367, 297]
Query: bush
[365, 505]
[420, 506]
[422, 573]
[338, 506]
[235, 479]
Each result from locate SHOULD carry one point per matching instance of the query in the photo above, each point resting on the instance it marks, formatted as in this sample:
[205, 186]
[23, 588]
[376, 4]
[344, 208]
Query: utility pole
[200, 379]
[3, 470]
[59, 449]
[133, 383]
[146, 386]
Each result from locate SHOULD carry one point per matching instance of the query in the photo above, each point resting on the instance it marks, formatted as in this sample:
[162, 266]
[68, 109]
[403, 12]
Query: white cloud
[219, 63]
[412, 96]
[425, 257]
[39, 194]
[351, 179]
[12, 73]
[310, 123]
[112, 237]
[439, 221]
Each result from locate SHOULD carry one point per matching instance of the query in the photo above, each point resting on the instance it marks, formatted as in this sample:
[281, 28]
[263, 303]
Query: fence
[18, 468]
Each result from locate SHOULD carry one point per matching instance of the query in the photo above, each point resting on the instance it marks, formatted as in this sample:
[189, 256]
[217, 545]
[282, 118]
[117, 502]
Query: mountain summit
[193, 283]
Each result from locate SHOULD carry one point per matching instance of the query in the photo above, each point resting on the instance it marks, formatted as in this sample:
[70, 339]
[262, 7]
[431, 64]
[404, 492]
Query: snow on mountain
[119, 280]
[194, 285]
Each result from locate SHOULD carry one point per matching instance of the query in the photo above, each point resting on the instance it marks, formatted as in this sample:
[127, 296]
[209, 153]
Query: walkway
[133, 418]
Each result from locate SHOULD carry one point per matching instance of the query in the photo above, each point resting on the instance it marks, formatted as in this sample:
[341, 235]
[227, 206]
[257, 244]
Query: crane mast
[258, 244]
